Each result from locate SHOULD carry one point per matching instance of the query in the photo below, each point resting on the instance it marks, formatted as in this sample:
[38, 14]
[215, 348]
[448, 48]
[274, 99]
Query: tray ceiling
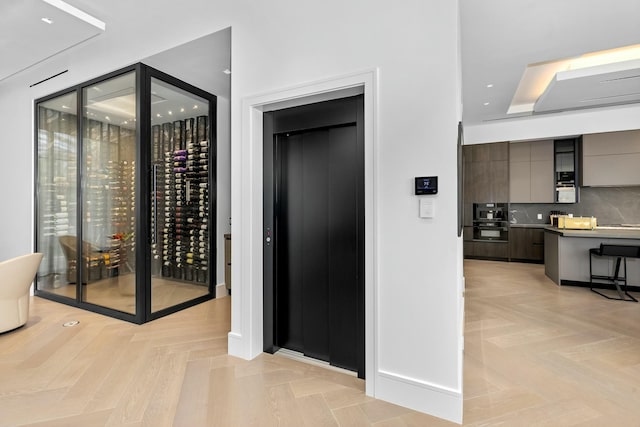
[611, 84]
[502, 39]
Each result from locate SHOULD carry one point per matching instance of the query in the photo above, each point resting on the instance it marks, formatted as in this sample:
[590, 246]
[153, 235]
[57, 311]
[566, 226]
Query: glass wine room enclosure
[125, 194]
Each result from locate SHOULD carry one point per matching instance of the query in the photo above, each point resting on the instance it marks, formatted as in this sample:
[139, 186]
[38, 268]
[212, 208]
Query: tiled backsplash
[610, 205]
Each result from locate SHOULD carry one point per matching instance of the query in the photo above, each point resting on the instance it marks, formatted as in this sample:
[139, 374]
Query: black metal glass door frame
[143, 171]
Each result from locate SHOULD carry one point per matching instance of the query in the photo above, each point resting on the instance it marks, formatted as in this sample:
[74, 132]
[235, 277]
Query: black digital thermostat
[426, 185]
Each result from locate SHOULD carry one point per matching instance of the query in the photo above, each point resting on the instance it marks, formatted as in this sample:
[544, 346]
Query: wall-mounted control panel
[426, 185]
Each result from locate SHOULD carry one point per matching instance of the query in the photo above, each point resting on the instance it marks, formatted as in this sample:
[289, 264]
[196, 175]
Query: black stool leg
[615, 279]
[590, 270]
[625, 283]
[616, 276]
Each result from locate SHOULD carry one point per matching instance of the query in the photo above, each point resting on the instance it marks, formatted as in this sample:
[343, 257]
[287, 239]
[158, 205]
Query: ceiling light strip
[66, 7]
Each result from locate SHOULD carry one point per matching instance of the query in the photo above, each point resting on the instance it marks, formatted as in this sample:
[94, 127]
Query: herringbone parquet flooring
[173, 371]
[541, 355]
[535, 355]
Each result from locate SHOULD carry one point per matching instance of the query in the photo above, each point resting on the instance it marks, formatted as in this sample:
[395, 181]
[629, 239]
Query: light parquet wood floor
[173, 371]
[535, 354]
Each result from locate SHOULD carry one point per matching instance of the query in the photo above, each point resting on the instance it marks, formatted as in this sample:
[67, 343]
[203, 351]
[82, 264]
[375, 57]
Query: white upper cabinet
[611, 159]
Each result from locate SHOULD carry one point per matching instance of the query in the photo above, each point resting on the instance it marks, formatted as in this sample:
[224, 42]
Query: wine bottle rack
[182, 199]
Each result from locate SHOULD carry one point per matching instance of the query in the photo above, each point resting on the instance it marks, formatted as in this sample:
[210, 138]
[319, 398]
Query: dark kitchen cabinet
[486, 250]
[467, 233]
[486, 180]
[526, 244]
[499, 184]
[486, 174]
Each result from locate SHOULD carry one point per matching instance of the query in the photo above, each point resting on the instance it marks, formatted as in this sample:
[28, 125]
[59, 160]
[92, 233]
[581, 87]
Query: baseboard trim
[221, 290]
[433, 399]
[236, 345]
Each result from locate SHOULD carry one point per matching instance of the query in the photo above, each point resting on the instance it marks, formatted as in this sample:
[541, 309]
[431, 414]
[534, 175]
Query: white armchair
[16, 276]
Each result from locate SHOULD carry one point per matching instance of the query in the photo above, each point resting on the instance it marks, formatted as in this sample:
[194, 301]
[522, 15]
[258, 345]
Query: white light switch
[427, 208]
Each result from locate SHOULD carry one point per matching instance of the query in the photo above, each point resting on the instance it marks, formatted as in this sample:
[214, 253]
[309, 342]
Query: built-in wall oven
[490, 221]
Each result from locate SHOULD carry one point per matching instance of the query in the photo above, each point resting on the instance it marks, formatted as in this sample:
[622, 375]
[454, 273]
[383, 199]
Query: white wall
[417, 272]
[223, 174]
[279, 44]
[611, 119]
[16, 175]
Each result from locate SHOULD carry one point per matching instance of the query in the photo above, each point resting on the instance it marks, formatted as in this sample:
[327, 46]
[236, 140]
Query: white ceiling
[26, 40]
[499, 38]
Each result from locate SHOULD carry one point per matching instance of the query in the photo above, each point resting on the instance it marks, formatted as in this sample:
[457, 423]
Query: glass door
[125, 194]
[56, 194]
[108, 193]
[180, 201]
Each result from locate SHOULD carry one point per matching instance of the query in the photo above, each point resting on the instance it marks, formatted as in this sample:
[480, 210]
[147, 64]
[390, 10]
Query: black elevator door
[317, 239]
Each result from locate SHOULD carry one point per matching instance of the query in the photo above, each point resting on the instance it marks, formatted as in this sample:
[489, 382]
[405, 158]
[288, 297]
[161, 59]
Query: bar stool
[621, 253]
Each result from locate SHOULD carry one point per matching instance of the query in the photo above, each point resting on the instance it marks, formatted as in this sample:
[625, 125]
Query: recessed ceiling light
[47, 20]
[182, 110]
[65, 107]
[490, 85]
[67, 8]
[227, 71]
[170, 112]
[158, 115]
[195, 107]
[486, 103]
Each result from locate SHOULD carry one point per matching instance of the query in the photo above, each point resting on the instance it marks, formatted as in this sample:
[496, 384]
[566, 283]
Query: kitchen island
[566, 253]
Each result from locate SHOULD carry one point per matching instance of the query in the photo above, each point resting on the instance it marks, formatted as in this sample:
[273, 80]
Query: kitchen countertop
[599, 232]
[529, 225]
[567, 253]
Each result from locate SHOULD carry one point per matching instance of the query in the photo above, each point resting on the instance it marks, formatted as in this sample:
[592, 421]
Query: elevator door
[318, 241]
